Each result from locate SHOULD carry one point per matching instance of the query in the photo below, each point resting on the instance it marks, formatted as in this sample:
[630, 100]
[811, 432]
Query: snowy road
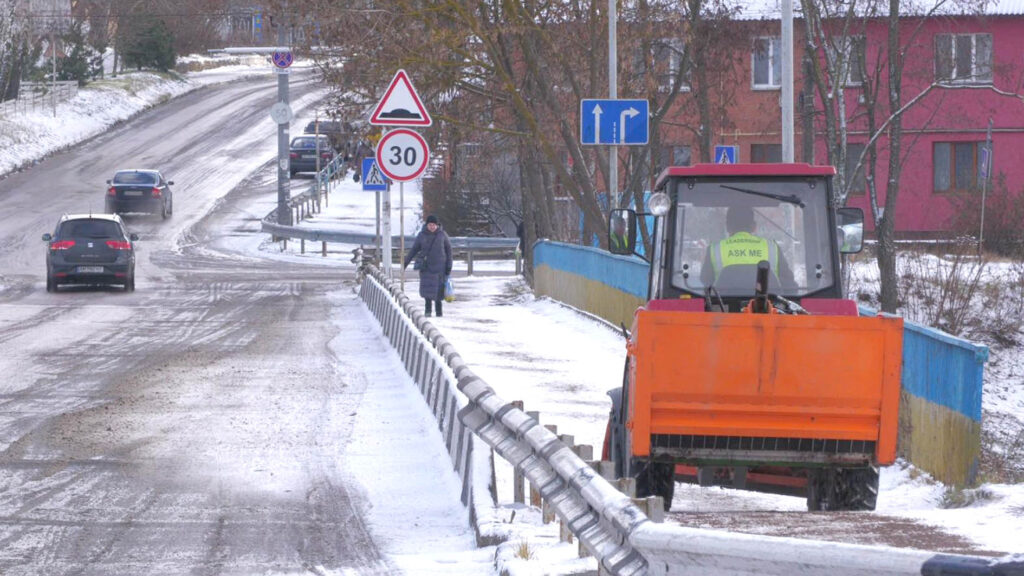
[222, 419]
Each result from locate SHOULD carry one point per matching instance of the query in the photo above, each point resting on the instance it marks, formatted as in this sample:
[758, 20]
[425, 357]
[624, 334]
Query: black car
[132, 191]
[302, 154]
[90, 249]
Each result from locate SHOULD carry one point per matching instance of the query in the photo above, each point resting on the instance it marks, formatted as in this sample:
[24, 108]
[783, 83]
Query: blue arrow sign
[616, 122]
[373, 178]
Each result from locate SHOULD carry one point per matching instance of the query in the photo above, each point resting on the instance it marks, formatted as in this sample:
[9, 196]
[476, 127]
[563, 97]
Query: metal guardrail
[308, 202]
[606, 521]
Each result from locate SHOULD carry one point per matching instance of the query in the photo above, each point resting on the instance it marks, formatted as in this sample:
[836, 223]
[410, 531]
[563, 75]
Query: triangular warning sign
[375, 178]
[401, 105]
[724, 157]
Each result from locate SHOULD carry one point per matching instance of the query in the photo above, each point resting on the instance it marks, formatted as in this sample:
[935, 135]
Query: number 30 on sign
[402, 155]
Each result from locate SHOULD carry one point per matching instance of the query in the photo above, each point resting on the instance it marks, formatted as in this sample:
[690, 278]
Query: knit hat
[432, 219]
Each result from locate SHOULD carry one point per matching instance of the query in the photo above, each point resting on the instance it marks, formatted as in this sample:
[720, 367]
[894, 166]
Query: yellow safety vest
[744, 249]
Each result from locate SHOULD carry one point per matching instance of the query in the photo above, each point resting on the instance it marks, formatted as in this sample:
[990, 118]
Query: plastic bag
[449, 290]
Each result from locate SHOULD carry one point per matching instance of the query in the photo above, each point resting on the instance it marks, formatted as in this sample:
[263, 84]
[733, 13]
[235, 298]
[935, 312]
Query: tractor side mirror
[622, 232]
[850, 230]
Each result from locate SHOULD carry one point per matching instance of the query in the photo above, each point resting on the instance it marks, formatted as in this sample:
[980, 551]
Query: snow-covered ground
[27, 137]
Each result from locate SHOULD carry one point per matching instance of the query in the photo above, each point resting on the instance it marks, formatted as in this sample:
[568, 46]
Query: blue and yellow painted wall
[940, 404]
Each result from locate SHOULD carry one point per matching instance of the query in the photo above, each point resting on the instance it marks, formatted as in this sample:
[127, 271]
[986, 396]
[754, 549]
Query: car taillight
[119, 245]
[293, 155]
[111, 191]
[62, 245]
[156, 192]
[325, 154]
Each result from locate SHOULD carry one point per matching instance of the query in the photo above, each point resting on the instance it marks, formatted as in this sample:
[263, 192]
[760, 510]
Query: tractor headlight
[659, 203]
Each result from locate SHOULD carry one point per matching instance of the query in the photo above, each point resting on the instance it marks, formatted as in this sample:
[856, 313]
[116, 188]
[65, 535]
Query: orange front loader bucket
[728, 388]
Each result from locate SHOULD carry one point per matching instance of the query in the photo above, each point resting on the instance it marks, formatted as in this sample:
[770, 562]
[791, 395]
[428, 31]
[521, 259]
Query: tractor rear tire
[656, 479]
[849, 489]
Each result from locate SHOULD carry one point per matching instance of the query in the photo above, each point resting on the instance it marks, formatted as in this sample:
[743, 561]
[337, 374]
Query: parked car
[90, 249]
[337, 132]
[133, 191]
[302, 154]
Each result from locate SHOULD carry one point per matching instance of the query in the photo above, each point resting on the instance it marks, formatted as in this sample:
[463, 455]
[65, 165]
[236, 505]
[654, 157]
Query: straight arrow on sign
[597, 122]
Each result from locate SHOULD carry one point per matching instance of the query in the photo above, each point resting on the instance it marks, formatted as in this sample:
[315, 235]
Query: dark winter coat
[437, 251]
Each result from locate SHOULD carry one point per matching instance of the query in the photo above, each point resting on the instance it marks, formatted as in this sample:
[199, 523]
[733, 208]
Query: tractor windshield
[723, 228]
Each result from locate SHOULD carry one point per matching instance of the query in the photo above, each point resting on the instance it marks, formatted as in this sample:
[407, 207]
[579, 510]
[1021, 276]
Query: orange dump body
[750, 389]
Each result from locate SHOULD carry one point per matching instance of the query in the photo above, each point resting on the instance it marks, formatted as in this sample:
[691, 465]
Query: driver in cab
[743, 249]
[618, 240]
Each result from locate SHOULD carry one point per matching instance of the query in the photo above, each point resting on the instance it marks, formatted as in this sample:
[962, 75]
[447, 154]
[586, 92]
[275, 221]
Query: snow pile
[28, 137]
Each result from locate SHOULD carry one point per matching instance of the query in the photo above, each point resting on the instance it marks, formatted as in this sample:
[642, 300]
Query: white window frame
[677, 51]
[849, 44]
[774, 42]
[972, 77]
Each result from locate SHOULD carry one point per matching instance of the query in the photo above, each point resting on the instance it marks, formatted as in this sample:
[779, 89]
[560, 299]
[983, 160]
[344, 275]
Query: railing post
[469, 263]
[534, 492]
[323, 248]
[302, 245]
[518, 480]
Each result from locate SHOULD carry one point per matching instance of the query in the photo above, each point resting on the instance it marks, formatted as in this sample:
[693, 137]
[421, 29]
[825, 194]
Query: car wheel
[170, 209]
[291, 174]
[129, 285]
[51, 283]
[164, 212]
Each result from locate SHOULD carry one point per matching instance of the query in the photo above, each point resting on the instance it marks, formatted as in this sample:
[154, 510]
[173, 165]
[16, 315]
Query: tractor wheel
[853, 489]
[656, 479]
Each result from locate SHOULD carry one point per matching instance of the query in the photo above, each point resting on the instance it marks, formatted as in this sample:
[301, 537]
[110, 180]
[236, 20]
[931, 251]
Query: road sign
[984, 163]
[726, 154]
[402, 155]
[617, 122]
[401, 105]
[373, 178]
[281, 113]
[282, 59]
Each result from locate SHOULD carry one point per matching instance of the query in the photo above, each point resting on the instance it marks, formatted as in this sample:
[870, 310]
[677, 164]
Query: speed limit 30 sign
[402, 155]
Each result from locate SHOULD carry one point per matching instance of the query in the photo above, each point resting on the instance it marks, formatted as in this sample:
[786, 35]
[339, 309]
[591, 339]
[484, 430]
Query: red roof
[704, 170]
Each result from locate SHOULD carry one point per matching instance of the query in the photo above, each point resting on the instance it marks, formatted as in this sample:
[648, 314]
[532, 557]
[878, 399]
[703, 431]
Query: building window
[668, 61]
[963, 58]
[765, 153]
[957, 166]
[675, 156]
[856, 184]
[852, 48]
[767, 62]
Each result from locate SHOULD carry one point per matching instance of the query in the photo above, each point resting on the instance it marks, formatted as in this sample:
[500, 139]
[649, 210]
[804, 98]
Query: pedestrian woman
[432, 252]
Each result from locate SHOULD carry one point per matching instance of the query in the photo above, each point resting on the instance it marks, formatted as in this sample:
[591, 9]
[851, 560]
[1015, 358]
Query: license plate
[133, 192]
[90, 269]
[308, 156]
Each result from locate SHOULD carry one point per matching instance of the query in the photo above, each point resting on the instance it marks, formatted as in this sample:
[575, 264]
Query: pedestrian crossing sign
[726, 154]
[373, 178]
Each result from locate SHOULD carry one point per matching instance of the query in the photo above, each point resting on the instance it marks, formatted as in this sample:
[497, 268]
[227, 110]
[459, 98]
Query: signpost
[403, 154]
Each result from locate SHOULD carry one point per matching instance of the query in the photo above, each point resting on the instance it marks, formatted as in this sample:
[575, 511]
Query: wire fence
[39, 97]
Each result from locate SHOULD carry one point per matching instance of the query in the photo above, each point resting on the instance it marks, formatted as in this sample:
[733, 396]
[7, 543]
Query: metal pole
[401, 228]
[316, 123]
[377, 205]
[284, 214]
[53, 81]
[787, 81]
[984, 184]
[613, 93]
[386, 232]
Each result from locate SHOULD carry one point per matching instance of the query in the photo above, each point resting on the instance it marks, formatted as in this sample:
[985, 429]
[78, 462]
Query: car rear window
[134, 178]
[309, 143]
[89, 228]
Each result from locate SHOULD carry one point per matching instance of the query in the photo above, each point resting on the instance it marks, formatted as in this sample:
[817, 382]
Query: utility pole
[787, 81]
[284, 213]
[613, 93]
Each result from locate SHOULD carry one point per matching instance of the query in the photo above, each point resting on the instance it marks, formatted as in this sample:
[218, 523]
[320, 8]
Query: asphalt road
[195, 425]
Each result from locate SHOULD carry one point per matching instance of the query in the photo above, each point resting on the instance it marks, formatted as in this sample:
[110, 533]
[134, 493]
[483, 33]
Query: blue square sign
[726, 154]
[615, 122]
[373, 178]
